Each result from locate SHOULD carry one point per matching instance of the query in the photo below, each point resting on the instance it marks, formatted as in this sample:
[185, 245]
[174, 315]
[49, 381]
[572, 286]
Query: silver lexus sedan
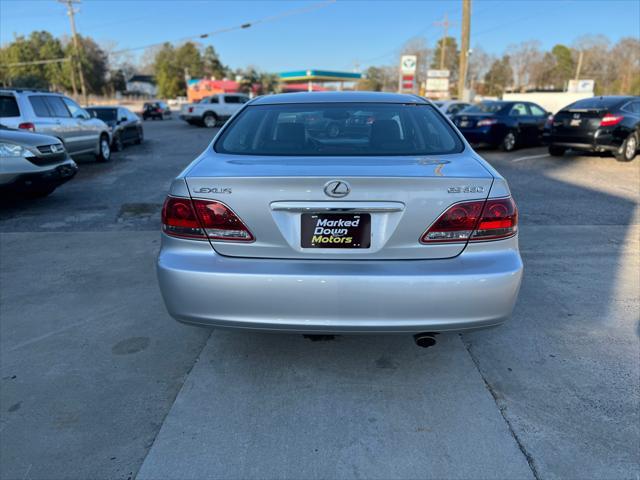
[393, 225]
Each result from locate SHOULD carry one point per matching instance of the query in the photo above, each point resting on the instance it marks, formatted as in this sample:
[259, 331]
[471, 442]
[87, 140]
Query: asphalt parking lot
[98, 382]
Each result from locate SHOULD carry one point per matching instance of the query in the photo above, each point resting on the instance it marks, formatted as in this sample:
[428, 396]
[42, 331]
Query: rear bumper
[475, 289]
[488, 135]
[601, 141]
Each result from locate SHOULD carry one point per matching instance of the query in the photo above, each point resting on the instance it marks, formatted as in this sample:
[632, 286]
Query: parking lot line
[530, 157]
[279, 406]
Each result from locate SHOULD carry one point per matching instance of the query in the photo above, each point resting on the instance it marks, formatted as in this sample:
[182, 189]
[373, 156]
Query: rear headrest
[291, 133]
[383, 131]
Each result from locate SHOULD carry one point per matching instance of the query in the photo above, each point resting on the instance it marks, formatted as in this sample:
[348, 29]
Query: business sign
[437, 73]
[581, 86]
[437, 84]
[408, 64]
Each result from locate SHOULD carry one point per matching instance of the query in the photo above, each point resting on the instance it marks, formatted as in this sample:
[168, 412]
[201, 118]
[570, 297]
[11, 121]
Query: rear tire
[628, 149]
[555, 151]
[104, 149]
[509, 142]
[209, 120]
[117, 144]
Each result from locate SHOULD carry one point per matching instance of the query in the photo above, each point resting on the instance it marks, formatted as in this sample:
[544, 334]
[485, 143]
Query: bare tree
[525, 59]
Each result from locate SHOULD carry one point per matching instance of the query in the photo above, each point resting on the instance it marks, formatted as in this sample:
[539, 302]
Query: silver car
[32, 165]
[56, 115]
[401, 229]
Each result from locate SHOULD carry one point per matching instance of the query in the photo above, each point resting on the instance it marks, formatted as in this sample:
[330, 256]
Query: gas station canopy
[320, 76]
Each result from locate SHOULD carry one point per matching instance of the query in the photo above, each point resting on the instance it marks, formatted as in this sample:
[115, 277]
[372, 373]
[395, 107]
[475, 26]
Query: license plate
[336, 230]
[575, 122]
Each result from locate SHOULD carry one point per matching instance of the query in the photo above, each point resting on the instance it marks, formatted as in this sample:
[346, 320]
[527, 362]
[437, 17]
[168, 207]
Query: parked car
[125, 125]
[508, 125]
[31, 164]
[598, 124]
[451, 107]
[154, 110]
[57, 115]
[275, 228]
[213, 110]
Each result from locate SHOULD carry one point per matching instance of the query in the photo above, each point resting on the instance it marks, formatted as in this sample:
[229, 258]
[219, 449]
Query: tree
[564, 65]
[373, 80]
[94, 63]
[499, 77]
[212, 65]
[626, 67]
[169, 77]
[39, 45]
[189, 60]
[525, 62]
[248, 78]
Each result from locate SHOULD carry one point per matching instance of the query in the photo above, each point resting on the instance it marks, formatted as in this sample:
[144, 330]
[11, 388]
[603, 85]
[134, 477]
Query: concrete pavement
[98, 382]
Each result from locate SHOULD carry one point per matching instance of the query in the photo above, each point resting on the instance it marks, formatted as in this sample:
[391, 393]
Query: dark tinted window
[596, 103]
[339, 129]
[236, 99]
[104, 114]
[488, 107]
[56, 106]
[214, 100]
[39, 106]
[9, 106]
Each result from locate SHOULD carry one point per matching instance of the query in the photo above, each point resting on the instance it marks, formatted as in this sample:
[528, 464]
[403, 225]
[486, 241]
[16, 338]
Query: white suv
[56, 115]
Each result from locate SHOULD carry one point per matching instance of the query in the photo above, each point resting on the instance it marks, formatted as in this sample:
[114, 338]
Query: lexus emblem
[337, 188]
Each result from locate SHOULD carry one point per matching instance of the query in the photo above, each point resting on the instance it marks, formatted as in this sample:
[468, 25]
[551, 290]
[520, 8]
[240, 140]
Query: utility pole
[464, 48]
[579, 67]
[71, 12]
[445, 27]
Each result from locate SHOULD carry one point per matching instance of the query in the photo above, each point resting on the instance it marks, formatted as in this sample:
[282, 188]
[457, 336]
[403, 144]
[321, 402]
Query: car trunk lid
[391, 202]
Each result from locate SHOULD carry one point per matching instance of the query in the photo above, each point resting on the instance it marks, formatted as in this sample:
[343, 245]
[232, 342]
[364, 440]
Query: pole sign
[408, 64]
[437, 83]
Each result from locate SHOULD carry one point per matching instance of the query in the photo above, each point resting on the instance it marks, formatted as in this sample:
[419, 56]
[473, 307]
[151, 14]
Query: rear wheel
[628, 149]
[555, 151]
[104, 150]
[117, 143]
[509, 142]
[209, 120]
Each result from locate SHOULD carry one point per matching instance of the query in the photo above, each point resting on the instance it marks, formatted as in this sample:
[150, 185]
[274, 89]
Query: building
[203, 87]
[142, 85]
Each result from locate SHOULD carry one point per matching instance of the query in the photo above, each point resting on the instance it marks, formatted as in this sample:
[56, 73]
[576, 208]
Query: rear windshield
[486, 107]
[8, 106]
[596, 103]
[104, 114]
[339, 129]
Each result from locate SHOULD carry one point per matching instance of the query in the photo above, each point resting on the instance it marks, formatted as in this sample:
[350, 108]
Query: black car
[155, 110]
[125, 125]
[597, 124]
[503, 124]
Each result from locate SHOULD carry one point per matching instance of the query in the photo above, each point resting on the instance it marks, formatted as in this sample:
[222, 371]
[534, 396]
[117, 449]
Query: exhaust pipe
[425, 340]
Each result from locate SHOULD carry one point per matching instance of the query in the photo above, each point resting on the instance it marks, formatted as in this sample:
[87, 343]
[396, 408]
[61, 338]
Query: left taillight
[202, 219]
[27, 126]
[478, 220]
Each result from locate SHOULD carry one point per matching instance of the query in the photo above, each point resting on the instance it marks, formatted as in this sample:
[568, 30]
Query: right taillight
[27, 126]
[610, 120]
[478, 220]
[202, 219]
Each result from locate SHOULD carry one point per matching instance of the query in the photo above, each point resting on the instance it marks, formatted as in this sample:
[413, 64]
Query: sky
[343, 35]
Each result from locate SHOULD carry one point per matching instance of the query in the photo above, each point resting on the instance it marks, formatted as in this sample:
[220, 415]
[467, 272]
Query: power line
[272, 18]
[35, 62]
